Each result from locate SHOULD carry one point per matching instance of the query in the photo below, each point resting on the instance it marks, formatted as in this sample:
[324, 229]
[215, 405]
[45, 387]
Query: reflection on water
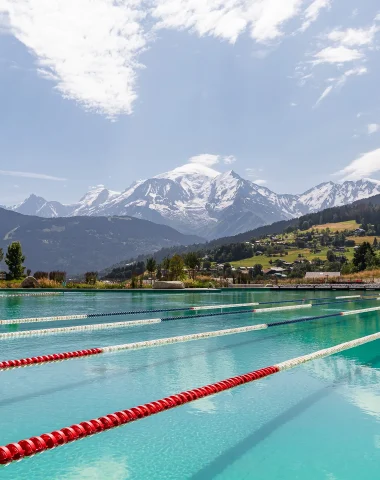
[362, 383]
[103, 469]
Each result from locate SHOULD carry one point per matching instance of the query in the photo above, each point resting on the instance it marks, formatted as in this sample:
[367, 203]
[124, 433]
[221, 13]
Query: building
[321, 275]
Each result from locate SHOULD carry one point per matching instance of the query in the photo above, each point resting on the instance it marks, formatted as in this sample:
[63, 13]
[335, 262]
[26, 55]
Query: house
[359, 231]
[274, 271]
[322, 275]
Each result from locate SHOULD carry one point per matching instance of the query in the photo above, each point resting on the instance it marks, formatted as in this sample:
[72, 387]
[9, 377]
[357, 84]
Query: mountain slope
[78, 244]
[197, 199]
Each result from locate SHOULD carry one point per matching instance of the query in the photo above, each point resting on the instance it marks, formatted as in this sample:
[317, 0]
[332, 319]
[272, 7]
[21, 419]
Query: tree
[207, 265]
[257, 270]
[57, 276]
[364, 257]
[176, 266]
[151, 266]
[159, 272]
[192, 261]
[15, 259]
[91, 278]
[375, 244]
[330, 256]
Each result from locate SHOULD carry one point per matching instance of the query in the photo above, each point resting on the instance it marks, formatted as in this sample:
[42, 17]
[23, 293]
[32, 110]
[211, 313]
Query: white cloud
[253, 173]
[339, 54]
[293, 104]
[373, 128]
[259, 181]
[364, 166]
[88, 47]
[354, 37]
[210, 159]
[205, 159]
[41, 176]
[312, 12]
[227, 19]
[229, 160]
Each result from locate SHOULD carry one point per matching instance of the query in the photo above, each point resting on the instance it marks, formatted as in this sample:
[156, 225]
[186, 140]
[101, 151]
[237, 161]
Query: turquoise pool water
[318, 421]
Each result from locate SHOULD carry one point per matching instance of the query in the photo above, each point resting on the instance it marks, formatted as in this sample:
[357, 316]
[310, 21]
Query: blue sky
[103, 92]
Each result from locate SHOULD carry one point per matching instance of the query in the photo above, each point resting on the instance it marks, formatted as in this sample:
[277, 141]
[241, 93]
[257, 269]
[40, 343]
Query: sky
[111, 91]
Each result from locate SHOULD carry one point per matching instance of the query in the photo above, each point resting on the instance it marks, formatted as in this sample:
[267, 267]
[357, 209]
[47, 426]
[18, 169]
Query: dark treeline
[363, 213]
[366, 212]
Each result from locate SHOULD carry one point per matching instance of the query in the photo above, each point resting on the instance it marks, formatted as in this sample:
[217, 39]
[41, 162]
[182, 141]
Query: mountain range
[195, 199]
[80, 244]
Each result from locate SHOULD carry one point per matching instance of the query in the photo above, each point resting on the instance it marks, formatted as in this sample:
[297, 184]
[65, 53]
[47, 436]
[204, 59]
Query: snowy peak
[35, 205]
[331, 194]
[196, 199]
[93, 199]
[189, 170]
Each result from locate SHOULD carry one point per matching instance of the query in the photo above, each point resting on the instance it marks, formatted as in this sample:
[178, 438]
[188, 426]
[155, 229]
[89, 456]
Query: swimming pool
[318, 421]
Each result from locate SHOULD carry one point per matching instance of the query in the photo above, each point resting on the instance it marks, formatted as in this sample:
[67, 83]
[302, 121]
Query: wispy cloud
[210, 159]
[344, 47]
[207, 159]
[91, 49]
[340, 81]
[373, 128]
[229, 160]
[40, 176]
[227, 19]
[254, 174]
[354, 37]
[312, 12]
[260, 181]
[362, 167]
[326, 92]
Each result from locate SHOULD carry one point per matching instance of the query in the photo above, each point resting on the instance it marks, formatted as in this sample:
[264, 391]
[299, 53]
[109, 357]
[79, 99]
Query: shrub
[57, 276]
[37, 275]
[46, 283]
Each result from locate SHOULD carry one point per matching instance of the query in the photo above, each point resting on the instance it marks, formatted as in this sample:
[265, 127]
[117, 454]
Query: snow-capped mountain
[199, 200]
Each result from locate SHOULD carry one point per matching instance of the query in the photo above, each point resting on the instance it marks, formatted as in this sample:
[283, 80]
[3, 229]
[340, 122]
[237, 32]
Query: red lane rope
[26, 448]
[22, 362]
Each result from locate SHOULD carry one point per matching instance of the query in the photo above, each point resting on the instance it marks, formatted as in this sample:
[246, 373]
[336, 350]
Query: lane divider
[136, 312]
[16, 321]
[39, 294]
[79, 328]
[215, 307]
[349, 296]
[47, 441]
[41, 359]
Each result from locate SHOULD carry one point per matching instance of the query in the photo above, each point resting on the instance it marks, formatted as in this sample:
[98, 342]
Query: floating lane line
[78, 328]
[42, 359]
[16, 321]
[349, 296]
[47, 441]
[41, 294]
[215, 307]
[136, 312]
